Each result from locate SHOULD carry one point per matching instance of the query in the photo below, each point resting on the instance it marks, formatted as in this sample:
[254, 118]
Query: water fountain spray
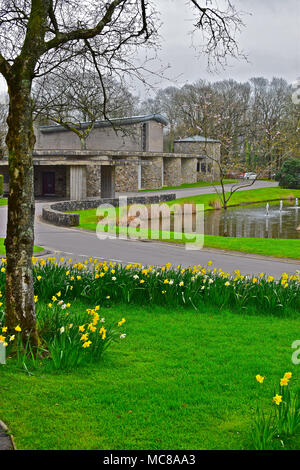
[267, 209]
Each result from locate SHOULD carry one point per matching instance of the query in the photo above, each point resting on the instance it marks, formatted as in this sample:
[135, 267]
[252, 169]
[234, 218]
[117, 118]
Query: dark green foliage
[289, 174]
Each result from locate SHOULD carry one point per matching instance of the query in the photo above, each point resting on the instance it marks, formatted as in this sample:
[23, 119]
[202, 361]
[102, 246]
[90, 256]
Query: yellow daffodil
[284, 382]
[260, 378]
[277, 399]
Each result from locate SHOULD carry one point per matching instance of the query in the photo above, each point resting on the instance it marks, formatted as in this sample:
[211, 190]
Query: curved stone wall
[57, 213]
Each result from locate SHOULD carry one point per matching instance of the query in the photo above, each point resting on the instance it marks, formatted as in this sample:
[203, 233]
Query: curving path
[78, 244]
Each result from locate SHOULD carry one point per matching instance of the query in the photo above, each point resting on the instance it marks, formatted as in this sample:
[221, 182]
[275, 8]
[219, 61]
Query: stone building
[125, 157]
[137, 133]
[208, 151]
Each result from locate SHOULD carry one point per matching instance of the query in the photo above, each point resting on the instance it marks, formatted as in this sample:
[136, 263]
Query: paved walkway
[186, 192]
[80, 244]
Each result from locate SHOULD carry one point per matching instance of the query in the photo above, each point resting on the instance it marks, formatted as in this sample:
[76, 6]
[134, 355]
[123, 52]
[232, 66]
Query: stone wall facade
[208, 168]
[93, 178]
[189, 170]
[172, 171]
[85, 174]
[126, 177]
[152, 173]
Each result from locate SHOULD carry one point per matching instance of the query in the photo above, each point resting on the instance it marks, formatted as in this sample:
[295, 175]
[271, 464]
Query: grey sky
[271, 40]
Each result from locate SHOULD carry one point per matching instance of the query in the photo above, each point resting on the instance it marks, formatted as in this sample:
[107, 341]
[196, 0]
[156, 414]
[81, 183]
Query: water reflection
[253, 221]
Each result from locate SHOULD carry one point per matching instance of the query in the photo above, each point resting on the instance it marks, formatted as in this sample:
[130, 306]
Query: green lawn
[276, 247]
[243, 197]
[3, 201]
[36, 249]
[262, 246]
[182, 379]
[199, 184]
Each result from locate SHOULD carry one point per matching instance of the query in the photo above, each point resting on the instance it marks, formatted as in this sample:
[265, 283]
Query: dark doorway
[107, 182]
[48, 183]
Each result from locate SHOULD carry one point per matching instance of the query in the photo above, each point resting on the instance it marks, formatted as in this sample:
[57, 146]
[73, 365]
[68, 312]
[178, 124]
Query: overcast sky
[270, 39]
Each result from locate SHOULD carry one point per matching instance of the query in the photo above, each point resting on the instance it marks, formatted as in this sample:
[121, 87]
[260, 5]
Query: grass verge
[250, 196]
[36, 249]
[182, 370]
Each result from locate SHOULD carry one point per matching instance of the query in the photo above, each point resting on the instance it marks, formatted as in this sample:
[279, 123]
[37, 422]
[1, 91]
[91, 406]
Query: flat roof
[107, 123]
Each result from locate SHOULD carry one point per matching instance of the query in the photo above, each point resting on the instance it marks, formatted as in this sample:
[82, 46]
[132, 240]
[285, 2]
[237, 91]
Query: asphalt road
[186, 192]
[80, 244]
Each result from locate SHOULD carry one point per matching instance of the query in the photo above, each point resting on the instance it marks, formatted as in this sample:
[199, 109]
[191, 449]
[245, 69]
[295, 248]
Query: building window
[144, 137]
[203, 167]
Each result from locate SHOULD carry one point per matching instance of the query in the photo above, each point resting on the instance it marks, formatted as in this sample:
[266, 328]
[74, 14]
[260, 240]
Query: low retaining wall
[56, 213]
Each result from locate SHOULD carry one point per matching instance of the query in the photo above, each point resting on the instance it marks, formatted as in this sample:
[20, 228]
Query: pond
[252, 221]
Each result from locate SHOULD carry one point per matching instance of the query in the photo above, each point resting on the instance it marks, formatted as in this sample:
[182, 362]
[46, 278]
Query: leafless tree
[76, 98]
[35, 37]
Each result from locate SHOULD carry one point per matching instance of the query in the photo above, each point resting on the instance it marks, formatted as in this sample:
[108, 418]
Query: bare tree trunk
[20, 308]
[83, 143]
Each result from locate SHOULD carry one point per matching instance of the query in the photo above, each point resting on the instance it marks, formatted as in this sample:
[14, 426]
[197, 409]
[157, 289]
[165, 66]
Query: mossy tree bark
[20, 306]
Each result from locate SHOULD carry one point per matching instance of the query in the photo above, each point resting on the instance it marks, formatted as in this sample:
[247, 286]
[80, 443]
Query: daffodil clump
[81, 338]
[109, 282]
[283, 420]
[8, 337]
[68, 337]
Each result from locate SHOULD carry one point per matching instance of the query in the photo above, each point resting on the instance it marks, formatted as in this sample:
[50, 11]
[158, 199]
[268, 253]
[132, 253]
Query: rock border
[56, 213]
[6, 438]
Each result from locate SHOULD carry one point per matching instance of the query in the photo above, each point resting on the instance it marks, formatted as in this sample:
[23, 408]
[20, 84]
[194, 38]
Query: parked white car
[250, 176]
